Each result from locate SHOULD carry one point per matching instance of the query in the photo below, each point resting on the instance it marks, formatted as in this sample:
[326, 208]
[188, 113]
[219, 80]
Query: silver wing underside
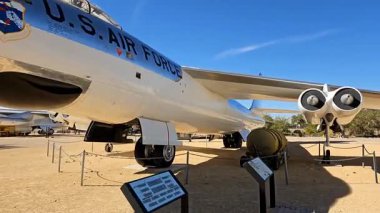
[237, 86]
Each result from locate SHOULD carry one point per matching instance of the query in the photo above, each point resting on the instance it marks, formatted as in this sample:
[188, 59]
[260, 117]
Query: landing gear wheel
[326, 157]
[227, 141]
[165, 155]
[233, 141]
[237, 140]
[140, 153]
[108, 147]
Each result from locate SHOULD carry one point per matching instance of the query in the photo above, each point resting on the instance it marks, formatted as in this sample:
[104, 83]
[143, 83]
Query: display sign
[261, 168]
[261, 173]
[154, 192]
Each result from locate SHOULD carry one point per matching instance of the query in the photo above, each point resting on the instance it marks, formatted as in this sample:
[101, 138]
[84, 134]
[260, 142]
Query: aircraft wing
[263, 111]
[238, 86]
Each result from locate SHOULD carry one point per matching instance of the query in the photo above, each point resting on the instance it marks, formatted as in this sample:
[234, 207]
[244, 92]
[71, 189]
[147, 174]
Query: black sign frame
[133, 198]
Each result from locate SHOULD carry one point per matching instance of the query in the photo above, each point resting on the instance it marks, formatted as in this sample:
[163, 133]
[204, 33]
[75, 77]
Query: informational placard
[154, 192]
[261, 168]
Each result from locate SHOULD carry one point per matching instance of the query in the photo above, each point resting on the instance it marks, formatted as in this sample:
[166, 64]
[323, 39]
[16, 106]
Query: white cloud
[292, 39]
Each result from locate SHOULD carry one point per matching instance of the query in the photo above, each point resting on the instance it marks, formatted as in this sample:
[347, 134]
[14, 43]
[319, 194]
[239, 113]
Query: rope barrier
[341, 160]
[65, 142]
[310, 146]
[128, 158]
[131, 158]
[354, 147]
[71, 155]
[217, 158]
[369, 153]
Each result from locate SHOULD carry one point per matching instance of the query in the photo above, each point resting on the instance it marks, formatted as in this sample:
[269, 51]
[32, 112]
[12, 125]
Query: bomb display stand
[152, 193]
[261, 173]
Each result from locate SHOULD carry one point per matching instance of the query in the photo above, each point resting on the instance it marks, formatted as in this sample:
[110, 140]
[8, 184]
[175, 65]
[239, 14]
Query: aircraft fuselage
[120, 77]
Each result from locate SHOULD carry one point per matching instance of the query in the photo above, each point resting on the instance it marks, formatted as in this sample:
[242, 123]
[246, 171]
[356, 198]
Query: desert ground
[30, 182]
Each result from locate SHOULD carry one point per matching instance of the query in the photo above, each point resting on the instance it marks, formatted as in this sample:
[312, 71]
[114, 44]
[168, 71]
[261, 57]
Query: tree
[366, 123]
[281, 124]
[268, 121]
[298, 120]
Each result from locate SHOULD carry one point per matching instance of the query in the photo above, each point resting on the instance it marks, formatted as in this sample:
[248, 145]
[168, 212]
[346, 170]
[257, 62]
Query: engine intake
[313, 100]
[312, 104]
[347, 99]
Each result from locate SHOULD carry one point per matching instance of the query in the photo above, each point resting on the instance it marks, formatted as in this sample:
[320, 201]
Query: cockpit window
[81, 4]
[94, 10]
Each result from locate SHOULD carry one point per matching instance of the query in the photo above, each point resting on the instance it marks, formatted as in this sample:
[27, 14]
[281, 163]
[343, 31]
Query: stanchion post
[286, 168]
[272, 188]
[59, 159]
[363, 147]
[185, 204]
[82, 171]
[48, 148]
[53, 152]
[375, 166]
[263, 202]
[187, 167]
[319, 149]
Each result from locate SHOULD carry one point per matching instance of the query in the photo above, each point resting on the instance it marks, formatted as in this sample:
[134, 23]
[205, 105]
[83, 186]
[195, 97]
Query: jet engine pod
[312, 104]
[347, 103]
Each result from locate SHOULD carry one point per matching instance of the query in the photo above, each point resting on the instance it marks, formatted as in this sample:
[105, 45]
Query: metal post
[263, 201]
[59, 159]
[286, 168]
[82, 172]
[327, 143]
[375, 166]
[319, 149]
[48, 147]
[187, 167]
[185, 204]
[363, 147]
[327, 137]
[52, 156]
[272, 192]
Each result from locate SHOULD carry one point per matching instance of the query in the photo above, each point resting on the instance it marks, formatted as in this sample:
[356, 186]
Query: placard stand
[152, 193]
[261, 173]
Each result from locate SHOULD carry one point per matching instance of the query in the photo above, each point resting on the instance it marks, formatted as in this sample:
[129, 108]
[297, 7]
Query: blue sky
[326, 41]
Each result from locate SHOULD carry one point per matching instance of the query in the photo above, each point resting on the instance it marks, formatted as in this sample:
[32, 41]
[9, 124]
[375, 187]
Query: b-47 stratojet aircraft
[71, 57]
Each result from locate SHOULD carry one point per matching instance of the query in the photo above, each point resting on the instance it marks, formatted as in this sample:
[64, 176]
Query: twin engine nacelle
[338, 107]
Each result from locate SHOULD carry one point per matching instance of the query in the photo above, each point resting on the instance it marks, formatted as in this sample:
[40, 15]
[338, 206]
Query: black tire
[140, 153]
[237, 140]
[227, 141]
[143, 151]
[108, 147]
[159, 153]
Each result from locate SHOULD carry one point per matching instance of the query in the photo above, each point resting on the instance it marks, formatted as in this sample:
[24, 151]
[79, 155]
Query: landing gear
[108, 147]
[233, 141]
[162, 156]
[326, 153]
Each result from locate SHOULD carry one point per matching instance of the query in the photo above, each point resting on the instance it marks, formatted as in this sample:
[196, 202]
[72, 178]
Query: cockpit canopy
[93, 9]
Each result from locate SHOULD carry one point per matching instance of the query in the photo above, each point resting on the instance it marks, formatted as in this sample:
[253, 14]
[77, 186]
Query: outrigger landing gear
[154, 155]
[108, 147]
[326, 152]
[233, 141]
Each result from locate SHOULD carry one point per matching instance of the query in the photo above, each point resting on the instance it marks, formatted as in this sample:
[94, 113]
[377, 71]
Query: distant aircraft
[18, 122]
[23, 123]
[71, 57]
